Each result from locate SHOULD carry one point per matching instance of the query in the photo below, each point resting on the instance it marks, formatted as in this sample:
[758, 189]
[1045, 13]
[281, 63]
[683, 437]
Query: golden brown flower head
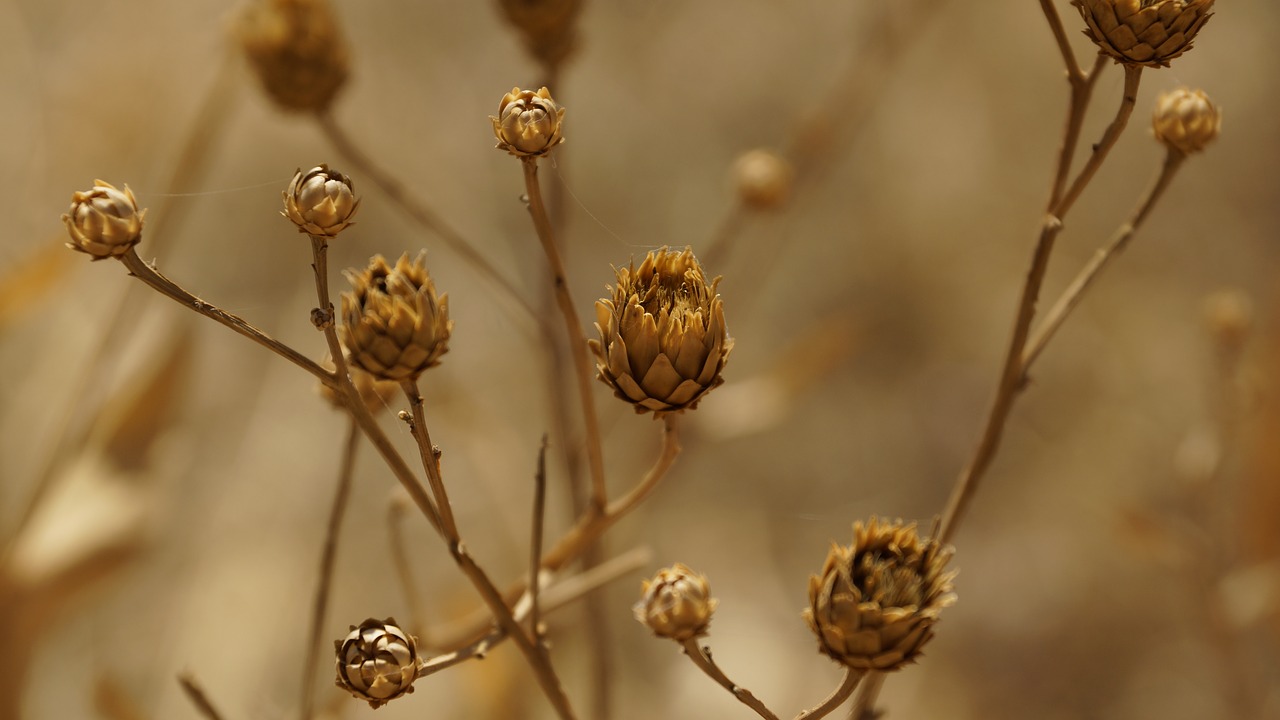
[394, 325]
[548, 27]
[1185, 120]
[377, 661]
[876, 602]
[528, 123]
[1144, 32]
[297, 50]
[320, 201]
[676, 604]
[763, 179]
[104, 222]
[663, 341]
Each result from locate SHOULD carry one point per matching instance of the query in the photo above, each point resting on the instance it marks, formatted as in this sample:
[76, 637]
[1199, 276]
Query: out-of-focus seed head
[1185, 120]
[394, 324]
[528, 123]
[763, 179]
[875, 604]
[548, 27]
[376, 394]
[320, 201]
[676, 604]
[297, 50]
[377, 661]
[663, 340]
[104, 221]
[1144, 32]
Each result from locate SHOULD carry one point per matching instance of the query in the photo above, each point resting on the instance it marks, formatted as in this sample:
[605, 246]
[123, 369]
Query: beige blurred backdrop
[869, 318]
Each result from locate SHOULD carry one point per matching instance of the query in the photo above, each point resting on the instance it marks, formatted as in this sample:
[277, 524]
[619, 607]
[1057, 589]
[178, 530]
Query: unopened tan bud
[296, 49]
[676, 604]
[377, 661]
[1185, 120]
[320, 201]
[763, 179]
[1144, 32]
[104, 222]
[528, 123]
[394, 324]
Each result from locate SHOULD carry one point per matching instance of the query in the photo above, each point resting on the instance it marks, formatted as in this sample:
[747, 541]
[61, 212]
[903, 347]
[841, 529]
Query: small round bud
[528, 123]
[1185, 120]
[875, 604]
[1144, 32]
[320, 201]
[104, 222]
[394, 324]
[676, 604]
[663, 340]
[377, 661]
[297, 50]
[763, 179]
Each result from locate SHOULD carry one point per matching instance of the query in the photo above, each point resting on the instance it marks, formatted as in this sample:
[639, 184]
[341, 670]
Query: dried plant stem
[837, 697]
[864, 706]
[577, 341]
[1132, 76]
[196, 694]
[536, 533]
[1082, 85]
[327, 558]
[1071, 297]
[430, 459]
[395, 537]
[418, 211]
[702, 658]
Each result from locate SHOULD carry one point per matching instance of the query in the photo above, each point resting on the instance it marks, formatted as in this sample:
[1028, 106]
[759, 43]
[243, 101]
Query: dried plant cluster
[662, 345]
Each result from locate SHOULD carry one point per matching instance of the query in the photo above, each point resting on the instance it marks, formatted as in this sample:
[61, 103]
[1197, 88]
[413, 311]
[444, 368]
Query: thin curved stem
[536, 533]
[702, 658]
[577, 340]
[836, 699]
[1132, 76]
[430, 458]
[1081, 93]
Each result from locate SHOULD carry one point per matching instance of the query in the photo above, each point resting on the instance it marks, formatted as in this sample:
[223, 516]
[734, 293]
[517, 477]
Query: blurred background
[165, 484]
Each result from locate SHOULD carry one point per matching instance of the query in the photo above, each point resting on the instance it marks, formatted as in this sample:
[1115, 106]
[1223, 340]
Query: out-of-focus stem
[196, 694]
[864, 707]
[430, 458]
[836, 699]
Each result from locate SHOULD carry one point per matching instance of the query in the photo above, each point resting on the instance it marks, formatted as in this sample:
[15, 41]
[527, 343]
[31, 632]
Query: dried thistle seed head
[320, 201]
[297, 50]
[763, 179]
[377, 661]
[663, 340]
[548, 27]
[875, 604]
[104, 222]
[676, 604]
[1185, 120]
[528, 123]
[394, 324]
[1144, 32]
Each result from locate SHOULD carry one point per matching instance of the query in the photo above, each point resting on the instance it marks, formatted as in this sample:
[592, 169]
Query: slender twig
[395, 537]
[1132, 76]
[327, 558]
[430, 458]
[1071, 297]
[577, 341]
[1074, 73]
[535, 541]
[702, 658]
[837, 697]
[864, 706]
[1081, 93]
[196, 694]
[418, 211]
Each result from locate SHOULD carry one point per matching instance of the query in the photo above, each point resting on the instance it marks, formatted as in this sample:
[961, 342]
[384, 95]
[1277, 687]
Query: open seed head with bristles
[876, 602]
[394, 324]
[1144, 32]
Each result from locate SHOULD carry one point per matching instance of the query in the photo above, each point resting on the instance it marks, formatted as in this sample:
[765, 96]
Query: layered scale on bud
[1144, 32]
[104, 222]
[377, 661]
[876, 602]
[762, 179]
[320, 201]
[296, 49]
[528, 123]
[676, 604]
[1185, 120]
[663, 340]
[394, 324]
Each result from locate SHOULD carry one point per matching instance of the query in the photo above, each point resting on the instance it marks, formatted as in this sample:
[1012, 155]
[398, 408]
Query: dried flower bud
[1144, 32]
[763, 179]
[104, 222]
[1185, 120]
[394, 324]
[876, 602]
[377, 661]
[676, 604]
[546, 26]
[663, 341]
[320, 201]
[297, 50]
[528, 123]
